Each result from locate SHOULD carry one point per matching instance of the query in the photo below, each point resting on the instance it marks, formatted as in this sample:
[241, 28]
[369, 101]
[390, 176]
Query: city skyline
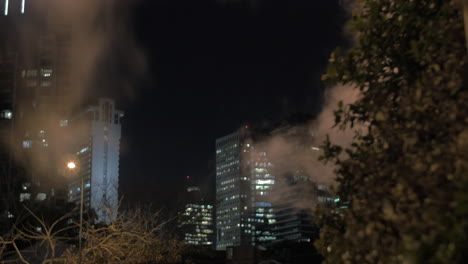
[266, 94]
[233, 131]
[215, 68]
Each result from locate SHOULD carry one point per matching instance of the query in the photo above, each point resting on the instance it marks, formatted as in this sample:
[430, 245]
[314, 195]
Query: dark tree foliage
[403, 183]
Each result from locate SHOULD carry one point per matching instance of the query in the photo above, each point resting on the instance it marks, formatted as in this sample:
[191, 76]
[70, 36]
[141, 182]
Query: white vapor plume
[79, 37]
[97, 30]
[294, 151]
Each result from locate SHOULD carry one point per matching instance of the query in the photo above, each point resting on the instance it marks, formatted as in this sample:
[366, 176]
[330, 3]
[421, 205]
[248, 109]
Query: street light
[71, 165]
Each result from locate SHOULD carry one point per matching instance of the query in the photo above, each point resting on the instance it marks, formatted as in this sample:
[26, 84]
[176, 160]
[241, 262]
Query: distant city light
[246, 126]
[188, 177]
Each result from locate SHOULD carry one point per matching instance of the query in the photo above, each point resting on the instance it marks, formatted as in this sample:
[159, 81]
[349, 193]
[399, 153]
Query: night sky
[210, 68]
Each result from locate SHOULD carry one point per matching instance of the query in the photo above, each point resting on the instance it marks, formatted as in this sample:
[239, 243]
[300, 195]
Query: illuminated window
[45, 84]
[46, 73]
[265, 181]
[63, 123]
[6, 114]
[27, 144]
[84, 149]
[41, 196]
[25, 197]
[31, 73]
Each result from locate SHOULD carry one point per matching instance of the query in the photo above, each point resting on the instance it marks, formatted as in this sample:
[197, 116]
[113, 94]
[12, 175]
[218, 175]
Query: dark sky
[211, 68]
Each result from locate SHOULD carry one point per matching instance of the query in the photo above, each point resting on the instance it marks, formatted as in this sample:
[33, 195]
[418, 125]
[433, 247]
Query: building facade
[300, 190]
[41, 53]
[37, 97]
[294, 215]
[96, 148]
[196, 221]
[243, 185]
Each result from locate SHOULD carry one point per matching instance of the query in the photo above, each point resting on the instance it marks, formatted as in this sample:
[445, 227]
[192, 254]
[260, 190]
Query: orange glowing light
[71, 165]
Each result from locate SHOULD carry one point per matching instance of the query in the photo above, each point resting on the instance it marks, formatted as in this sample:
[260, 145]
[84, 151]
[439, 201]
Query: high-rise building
[44, 98]
[300, 192]
[243, 185]
[294, 217]
[41, 108]
[42, 103]
[96, 147]
[196, 220]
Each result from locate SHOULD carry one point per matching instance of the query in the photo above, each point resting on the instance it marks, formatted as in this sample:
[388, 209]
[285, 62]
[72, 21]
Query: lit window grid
[198, 219]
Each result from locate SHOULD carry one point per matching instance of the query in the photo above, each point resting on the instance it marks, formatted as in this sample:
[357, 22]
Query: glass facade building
[243, 185]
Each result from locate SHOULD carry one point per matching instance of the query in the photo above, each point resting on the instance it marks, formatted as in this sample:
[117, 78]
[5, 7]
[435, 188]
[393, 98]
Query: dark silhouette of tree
[402, 183]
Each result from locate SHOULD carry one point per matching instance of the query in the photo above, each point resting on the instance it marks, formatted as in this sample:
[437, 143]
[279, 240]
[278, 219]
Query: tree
[401, 184]
[134, 237]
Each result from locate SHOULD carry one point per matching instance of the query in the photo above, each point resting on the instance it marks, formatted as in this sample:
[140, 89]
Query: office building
[96, 147]
[294, 215]
[301, 193]
[42, 106]
[243, 185]
[196, 221]
[44, 131]
[42, 54]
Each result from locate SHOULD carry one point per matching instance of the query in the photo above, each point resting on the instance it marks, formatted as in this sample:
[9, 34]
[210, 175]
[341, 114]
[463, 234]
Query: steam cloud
[98, 32]
[86, 36]
[294, 155]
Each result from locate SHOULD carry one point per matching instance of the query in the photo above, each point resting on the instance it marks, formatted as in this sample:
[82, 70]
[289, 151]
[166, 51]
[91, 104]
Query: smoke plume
[81, 41]
[294, 151]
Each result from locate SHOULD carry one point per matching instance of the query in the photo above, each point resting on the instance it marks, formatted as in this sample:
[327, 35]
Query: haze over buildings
[40, 128]
[42, 58]
[265, 194]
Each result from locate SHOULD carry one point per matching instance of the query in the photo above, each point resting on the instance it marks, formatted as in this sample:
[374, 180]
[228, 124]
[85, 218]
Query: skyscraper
[41, 106]
[243, 184]
[96, 146]
[45, 129]
[300, 191]
[41, 97]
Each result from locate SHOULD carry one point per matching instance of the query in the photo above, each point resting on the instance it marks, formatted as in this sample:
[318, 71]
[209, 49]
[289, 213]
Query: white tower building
[97, 149]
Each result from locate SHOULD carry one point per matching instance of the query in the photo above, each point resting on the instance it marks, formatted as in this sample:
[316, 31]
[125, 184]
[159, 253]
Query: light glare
[71, 165]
